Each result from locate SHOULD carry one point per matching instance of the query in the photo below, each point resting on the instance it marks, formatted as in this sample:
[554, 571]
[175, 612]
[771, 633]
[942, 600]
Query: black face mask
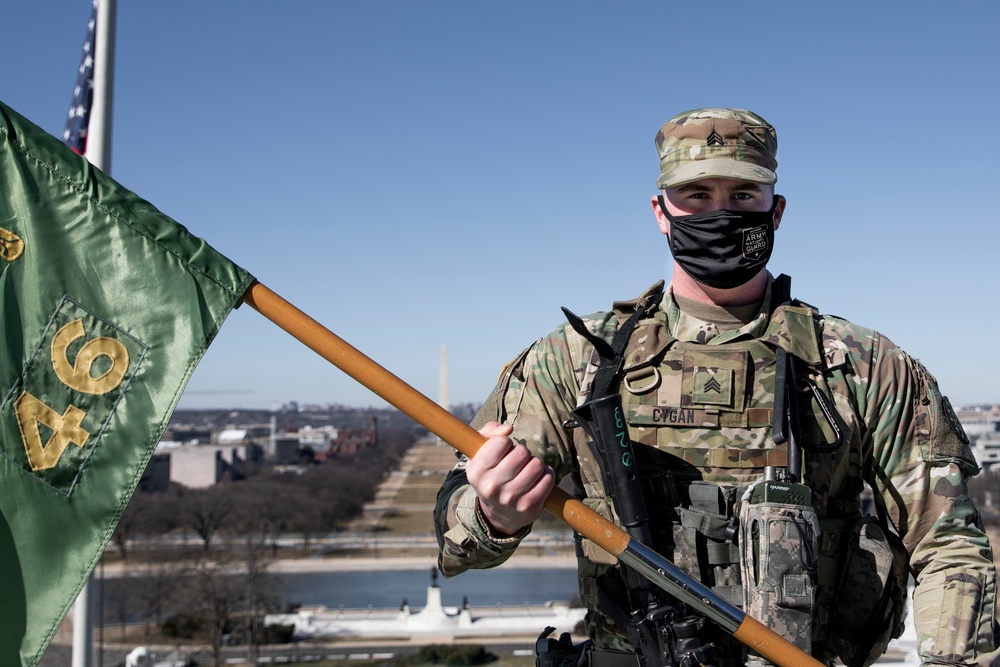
[722, 249]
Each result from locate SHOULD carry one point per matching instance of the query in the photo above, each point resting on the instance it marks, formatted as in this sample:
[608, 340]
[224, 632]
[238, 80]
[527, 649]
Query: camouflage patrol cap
[716, 143]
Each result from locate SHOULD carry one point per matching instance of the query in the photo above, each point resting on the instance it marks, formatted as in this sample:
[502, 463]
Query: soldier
[701, 384]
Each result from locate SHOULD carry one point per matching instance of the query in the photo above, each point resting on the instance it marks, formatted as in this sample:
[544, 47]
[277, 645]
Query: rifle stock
[585, 521]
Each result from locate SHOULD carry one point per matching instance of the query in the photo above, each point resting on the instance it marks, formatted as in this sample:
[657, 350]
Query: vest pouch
[779, 543]
[704, 538]
[870, 606]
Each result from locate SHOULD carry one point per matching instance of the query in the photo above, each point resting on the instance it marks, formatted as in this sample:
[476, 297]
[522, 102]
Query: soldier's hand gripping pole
[585, 521]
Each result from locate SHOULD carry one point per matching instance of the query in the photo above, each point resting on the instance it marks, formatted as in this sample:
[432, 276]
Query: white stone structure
[434, 621]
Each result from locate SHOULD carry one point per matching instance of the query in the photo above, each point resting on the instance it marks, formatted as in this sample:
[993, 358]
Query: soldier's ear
[779, 209]
[661, 218]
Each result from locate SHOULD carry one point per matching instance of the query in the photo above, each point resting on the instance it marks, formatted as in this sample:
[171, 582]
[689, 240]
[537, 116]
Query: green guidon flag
[107, 305]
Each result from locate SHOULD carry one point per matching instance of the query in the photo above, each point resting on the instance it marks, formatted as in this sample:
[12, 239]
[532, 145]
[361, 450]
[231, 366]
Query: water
[383, 589]
[482, 588]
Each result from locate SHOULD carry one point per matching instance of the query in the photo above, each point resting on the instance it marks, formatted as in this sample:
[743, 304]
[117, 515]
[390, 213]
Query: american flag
[75, 134]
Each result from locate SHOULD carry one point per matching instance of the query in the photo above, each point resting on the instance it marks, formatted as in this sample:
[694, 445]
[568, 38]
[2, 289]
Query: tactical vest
[700, 417]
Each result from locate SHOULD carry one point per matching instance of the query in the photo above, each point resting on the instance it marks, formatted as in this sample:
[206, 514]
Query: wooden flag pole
[467, 440]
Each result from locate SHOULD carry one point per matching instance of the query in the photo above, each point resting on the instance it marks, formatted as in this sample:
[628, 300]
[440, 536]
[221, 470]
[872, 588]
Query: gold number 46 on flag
[67, 428]
[69, 392]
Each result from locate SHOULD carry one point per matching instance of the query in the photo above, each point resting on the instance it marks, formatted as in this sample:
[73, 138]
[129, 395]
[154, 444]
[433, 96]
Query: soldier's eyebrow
[698, 186]
[692, 187]
[749, 185]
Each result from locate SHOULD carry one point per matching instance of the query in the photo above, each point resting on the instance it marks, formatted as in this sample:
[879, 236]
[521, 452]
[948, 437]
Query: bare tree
[130, 522]
[158, 590]
[215, 595]
[230, 593]
[205, 511]
[119, 598]
[260, 597]
[266, 508]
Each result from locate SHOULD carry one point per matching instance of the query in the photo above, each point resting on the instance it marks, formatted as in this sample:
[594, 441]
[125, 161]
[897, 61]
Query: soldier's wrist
[495, 534]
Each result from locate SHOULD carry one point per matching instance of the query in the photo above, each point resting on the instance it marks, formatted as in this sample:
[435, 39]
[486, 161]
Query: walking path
[427, 458]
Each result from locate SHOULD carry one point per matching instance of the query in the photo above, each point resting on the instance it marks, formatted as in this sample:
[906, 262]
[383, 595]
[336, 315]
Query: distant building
[987, 450]
[351, 441]
[318, 438]
[188, 435]
[201, 466]
[156, 477]
[465, 411]
[286, 450]
[232, 436]
[982, 425]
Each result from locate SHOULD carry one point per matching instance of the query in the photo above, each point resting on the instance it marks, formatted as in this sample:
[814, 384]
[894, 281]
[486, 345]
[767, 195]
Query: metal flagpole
[99, 153]
[99, 132]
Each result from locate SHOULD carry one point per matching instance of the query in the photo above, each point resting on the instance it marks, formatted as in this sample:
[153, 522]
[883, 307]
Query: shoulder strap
[781, 291]
[785, 428]
[612, 354]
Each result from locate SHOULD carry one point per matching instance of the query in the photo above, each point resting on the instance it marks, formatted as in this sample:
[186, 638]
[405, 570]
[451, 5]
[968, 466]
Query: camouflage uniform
[901, 437]
[699, 396]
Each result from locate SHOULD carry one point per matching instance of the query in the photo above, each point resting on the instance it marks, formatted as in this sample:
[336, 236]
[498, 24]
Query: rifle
[663, 631]
[571, 511]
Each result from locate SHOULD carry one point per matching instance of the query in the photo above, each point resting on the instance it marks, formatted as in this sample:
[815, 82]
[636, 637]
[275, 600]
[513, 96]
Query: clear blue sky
[419, 174]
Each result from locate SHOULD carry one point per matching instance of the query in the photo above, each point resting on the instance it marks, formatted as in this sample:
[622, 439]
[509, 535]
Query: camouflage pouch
[779, 543]
[870, 606]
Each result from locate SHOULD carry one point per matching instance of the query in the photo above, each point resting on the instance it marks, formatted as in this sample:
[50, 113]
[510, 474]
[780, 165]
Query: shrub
[184, 626]
[455, 655]
[277, 634]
